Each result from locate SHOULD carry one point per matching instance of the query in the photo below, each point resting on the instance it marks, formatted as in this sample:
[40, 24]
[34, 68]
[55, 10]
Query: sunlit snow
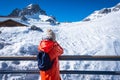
[98, 37]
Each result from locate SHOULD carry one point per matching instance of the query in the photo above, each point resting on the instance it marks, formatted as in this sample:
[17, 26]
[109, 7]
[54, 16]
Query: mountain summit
[33, 12]
[29, 10]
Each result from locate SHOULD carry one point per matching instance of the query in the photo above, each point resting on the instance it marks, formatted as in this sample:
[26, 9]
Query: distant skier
[50, 46]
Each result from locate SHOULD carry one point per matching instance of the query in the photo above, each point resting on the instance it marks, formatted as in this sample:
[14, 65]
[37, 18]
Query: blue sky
[63, 10]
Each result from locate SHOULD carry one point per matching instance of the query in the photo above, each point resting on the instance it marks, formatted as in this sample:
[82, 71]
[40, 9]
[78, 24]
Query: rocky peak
[32, 9]
[29, 10]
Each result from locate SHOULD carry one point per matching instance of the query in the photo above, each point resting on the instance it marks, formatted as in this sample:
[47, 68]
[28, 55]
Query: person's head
[50, 35]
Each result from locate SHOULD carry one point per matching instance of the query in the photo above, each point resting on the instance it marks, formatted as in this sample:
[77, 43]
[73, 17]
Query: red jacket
[54, 50]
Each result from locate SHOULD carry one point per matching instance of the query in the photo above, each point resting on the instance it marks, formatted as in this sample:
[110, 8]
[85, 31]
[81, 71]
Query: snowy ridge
[98, 37]
[103, 12]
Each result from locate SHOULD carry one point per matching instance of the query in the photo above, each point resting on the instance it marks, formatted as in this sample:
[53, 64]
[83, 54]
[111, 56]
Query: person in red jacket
[54, 50]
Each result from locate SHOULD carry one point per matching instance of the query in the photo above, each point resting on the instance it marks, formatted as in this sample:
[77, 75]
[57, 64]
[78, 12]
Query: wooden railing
[71, 58]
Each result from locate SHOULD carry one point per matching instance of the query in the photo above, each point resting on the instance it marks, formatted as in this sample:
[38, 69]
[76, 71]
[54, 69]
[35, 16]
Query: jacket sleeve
[56, 51]
[60, 49]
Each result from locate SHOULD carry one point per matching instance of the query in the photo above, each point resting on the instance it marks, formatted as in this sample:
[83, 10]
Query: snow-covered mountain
[95, 37]
[33, 12]
[103, 12]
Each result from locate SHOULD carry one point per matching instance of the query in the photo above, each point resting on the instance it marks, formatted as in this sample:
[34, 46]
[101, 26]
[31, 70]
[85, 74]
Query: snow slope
[103, 12]
[98, 37]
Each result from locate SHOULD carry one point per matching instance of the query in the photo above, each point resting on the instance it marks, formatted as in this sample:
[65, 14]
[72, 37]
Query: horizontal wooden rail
[71, 57]
[74, 57]
[62, 72]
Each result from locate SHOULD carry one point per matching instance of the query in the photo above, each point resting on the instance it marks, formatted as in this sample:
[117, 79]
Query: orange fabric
[54, 50]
